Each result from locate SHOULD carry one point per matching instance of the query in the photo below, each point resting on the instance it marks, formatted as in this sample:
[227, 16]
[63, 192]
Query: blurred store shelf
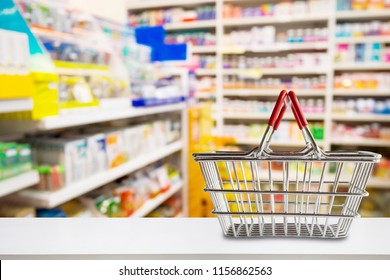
[191, 25]
[363, 39]
[18, 182]
[366, 14]
[52, 199]
[361, 117]
[204, 49]
[153, 203]
[279, 47]
[95, 115]
[15, 105]
[361, 66]
[266, 116]
[362, 92]
[362, 142]
[272, 92]
[274, 20]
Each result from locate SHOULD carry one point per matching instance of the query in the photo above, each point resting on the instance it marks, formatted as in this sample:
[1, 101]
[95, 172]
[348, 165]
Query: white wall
[110, 9]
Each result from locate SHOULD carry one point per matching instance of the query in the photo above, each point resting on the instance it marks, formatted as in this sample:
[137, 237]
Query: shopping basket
[307, 193]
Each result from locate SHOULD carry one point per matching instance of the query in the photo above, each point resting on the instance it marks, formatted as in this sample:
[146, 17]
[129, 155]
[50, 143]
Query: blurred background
[103, 102]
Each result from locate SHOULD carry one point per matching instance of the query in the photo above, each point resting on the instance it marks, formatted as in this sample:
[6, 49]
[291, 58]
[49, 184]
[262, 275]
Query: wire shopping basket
[307, 193]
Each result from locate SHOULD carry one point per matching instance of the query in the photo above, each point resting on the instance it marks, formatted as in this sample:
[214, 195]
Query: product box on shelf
[115, 147]
[133, 139]
[96, 153]
[8, 210]
[124, 197]
[15, 158]
[50, 177]
[15, 77]
[69, 153]
[8, 159]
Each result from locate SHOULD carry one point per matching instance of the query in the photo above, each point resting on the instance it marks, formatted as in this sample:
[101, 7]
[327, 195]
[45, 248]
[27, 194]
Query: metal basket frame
[250, 202]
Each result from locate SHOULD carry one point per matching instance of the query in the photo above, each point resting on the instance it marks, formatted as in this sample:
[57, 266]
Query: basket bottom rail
[283, 230]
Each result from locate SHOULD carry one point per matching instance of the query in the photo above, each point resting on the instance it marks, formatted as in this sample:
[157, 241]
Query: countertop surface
[185, 238]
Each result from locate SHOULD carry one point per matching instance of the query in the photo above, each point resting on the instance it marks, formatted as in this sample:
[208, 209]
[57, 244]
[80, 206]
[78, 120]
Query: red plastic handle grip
[277, 112]
[297, 111]
[280, 117]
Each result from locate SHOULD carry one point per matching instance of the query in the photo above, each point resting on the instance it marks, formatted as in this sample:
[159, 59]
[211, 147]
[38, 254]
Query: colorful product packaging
[115, 147]
[96, 153]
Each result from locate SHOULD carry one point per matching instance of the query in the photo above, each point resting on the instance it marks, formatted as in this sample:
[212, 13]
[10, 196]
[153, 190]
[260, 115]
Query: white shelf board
[205, 95]
[274, 19]
[362, 142]
[382, 183]
[18, 182]
[52, 199]
[205, 72]
[83, 72]
[86, 117]
[266, 116]
[273, 71]
[361, 117]
[137, 4]
[204, 49]
[362, 66]
[15, 105]
[364, 39]
[279, 47]
[361, 92]
[367, 14]
[212, 23]
[272, 92]
[153, 203]
[292, 143]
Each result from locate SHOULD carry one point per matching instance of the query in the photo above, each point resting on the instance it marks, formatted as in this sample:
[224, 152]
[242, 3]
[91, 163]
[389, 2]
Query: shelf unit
[18, 182]
[89, 116]
[330, 20]
[15, 105]
[256, 142]
[265, 116]
[357, 117]
[363, 15]
[50, 199]
[361, 66]
[190, 25]
[280, 47]
[378, 183]
[270, 92]
[364, 39]
[362, 142]
[206, 72]
[203, 49]
[153, 203]
[274, 20]
[364, 92]
[140, 5]
[273, 71]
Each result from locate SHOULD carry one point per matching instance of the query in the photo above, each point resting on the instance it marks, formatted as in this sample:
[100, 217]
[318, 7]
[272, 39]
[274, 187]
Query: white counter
[183, 238]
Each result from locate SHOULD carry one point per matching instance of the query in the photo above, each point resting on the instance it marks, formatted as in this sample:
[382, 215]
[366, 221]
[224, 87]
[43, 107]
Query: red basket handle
[297, 110]
[280, 108]
[278, 111]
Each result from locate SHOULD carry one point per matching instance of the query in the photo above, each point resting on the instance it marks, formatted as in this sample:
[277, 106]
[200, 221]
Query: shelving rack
[18, 182]
[15, 105]
[328, 20]
[50, 199]
[90, 116]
